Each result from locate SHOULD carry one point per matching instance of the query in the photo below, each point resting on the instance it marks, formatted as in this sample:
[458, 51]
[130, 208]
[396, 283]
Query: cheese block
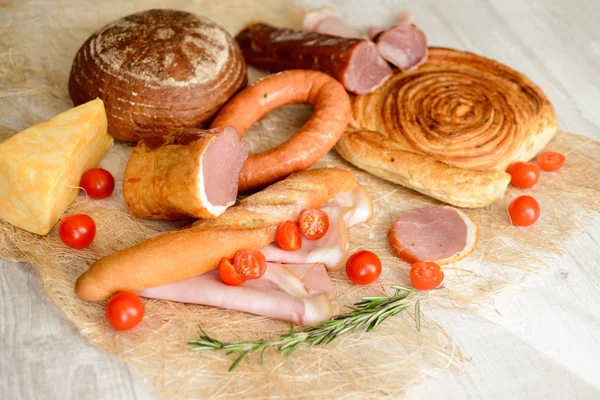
[40, 167]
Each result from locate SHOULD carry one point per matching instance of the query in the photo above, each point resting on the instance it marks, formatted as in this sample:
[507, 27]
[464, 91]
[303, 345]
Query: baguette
[182, 254]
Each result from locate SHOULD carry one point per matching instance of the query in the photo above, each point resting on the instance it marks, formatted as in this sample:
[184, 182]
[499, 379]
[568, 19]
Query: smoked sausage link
[313, 140]
[356, 63]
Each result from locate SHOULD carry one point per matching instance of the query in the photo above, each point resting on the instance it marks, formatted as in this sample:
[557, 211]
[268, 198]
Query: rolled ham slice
[441, 234]
[300, 296]
[193, 174]
[324, 20]
[403, 45]
[345, 210]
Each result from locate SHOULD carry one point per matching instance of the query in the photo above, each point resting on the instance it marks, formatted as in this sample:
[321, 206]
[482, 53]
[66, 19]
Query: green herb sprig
[365, 315]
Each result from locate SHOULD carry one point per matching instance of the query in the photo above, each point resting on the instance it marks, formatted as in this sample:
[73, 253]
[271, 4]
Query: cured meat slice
[403, 45]
[441, 234]
[345, 210]
[331, 249]
[300, 297]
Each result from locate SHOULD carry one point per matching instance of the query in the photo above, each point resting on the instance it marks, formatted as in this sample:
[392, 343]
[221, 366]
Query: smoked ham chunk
[192, 174]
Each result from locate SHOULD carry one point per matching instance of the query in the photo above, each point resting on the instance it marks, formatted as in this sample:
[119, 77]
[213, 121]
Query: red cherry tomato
[229, 274]
[251, 264]
[77, 230]
[98, 183]
[363, 267]
[288, 236]
[426, 275]
[523, 211]
[313, 223]
[124, 311]
[523, 175]
[550, 161]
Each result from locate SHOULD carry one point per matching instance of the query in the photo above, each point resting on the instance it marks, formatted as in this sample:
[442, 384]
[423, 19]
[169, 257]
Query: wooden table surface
[542, 341]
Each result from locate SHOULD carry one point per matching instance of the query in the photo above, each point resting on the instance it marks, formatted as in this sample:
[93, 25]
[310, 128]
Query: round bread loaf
[158, 71]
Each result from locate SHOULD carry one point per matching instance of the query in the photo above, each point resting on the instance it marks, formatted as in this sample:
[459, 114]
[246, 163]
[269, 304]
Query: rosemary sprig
[365, 315]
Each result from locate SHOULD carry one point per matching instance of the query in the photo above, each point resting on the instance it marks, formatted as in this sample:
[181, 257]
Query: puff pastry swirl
[450, 128]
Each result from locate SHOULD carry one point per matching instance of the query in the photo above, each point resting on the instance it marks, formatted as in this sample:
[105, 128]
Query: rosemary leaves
[365, 315]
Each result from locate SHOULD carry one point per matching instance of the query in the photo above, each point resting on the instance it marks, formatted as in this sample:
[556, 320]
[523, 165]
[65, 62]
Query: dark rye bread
[157, 71]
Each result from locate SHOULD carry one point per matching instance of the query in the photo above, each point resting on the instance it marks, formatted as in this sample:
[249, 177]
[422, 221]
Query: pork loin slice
[345, 210]
[193, 174]
[367, 70]
[323, 20]
[403, 45]
[281, 293]
[441, 234]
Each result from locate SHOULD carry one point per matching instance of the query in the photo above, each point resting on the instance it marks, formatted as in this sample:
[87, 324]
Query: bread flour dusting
[173, 51]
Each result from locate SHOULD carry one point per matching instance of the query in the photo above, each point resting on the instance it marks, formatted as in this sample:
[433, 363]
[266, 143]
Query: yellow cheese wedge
[40, 167]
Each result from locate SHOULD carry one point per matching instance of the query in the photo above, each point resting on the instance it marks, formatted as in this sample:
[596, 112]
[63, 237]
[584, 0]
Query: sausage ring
[314, 139]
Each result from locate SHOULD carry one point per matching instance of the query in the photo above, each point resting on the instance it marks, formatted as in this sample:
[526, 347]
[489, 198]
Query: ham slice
[324, 20]
[441, 234]
[345, 210]
[299, 291]
[300, 296]
[403, 45]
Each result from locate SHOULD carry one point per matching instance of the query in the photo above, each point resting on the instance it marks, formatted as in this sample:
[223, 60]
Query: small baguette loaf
[182, 254]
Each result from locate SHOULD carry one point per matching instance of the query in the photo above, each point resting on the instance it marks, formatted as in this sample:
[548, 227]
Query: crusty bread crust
[179, 255]
[158, 71]
[449, 128]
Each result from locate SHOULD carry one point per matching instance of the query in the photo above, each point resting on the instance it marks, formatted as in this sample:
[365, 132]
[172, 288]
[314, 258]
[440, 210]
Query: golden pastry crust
[451, 127]
[158, 71]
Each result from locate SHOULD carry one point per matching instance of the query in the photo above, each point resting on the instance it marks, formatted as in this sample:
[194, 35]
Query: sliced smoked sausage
[356, 63]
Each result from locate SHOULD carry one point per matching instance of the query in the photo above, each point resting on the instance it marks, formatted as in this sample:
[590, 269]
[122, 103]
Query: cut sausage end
[367, 70]
[441, 234]
[404, 46]
[221, 165]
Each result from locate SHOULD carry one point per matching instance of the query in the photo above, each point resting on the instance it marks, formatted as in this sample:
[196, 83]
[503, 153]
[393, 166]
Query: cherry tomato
[251, 264]
[550, 161]
[288, 236]
[229, 274]
[426, 275]
[98, 183]
[523, 175]
[523, 211]
[363, 267]
[313, 223]
[77, 230]
[124, 311]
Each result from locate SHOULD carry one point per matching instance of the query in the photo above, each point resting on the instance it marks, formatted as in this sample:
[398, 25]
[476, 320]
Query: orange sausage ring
[314, 139]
